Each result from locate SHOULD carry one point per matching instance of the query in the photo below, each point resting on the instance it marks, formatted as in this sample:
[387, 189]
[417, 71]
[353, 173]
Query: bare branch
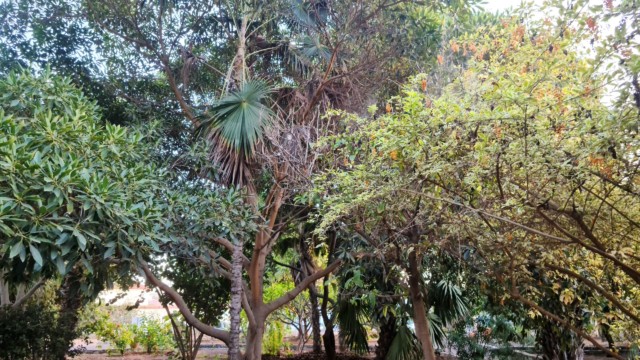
[291, 294]
[182, 306]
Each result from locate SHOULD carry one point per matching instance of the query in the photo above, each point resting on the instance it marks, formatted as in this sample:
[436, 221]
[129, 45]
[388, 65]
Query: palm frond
[236, 125]
[448, 302]
[405, 345]
[436, 328]
[351, 318]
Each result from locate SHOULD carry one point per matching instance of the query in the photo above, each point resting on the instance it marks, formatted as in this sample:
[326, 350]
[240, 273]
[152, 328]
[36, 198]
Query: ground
[206, 354]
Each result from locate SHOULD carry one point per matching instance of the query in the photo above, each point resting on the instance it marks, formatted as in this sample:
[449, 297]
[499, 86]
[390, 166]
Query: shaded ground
[206, 354]
[215, 350]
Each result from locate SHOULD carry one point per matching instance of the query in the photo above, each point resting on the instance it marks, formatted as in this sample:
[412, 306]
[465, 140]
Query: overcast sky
[495, 5]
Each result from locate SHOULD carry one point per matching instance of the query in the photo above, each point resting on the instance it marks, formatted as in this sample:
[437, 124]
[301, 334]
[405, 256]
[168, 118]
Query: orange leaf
[455, 47]
[440, 59]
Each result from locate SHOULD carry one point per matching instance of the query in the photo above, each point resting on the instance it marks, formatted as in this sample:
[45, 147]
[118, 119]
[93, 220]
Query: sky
[499, 5]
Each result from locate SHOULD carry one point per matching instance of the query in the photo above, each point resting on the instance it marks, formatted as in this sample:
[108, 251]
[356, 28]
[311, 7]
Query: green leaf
[62, 269]
[82, 241]
[16, 249]
[36, 254]
[109, 253]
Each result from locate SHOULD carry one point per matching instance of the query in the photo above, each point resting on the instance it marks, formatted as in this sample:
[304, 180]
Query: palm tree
[446, 302]
[234, 129]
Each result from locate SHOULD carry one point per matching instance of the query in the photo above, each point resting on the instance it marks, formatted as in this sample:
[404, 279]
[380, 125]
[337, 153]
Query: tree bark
[253, 349]
[420, 313]
[71, 300]
[329, 336]
[4, 290]
[308, 268]
[238, 71]
[236, 302]
[315, 320]
[387, 334]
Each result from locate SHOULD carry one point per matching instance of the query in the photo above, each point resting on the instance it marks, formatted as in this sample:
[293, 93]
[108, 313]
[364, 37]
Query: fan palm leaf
[448, 301]
[235, 127]
[351, 318]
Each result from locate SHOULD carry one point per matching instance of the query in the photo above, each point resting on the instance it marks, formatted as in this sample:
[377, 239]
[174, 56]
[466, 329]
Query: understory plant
[153, 334]
[475, 338]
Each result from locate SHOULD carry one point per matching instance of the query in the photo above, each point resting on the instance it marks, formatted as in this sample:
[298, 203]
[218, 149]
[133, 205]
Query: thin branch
[18, 303]
[291, 294]
[598, 288]
[566, 324]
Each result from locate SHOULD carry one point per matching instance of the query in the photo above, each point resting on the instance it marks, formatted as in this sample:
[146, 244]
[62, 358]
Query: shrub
[151, 333]
[35, 331]
[273, 338]
[154, 334]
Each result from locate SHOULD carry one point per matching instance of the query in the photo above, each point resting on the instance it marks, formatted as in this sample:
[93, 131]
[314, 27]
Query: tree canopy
[414, 167]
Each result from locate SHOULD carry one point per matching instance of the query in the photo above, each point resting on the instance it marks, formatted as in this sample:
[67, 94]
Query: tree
[287, 51]
[87, 202]
[75, 194]
[518, 162]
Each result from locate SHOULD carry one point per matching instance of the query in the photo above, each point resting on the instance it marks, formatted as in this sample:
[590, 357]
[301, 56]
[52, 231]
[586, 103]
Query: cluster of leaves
[473, 337]
[74, 191]
[71, 190]
[274, 338]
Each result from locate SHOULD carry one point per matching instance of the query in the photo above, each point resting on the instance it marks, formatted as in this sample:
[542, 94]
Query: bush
[35, 331]
[486, 330]
[154, 334]
[274, 338]
[151, 333]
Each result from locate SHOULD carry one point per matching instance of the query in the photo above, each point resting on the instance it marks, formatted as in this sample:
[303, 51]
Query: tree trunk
[308, 268]
[387, 334]
[254, 341]
[4, 290]
[558, 343]
[236, 302]
[328, 337]
[315, 320]
[71, 300]
[238, 77]
[420, 314]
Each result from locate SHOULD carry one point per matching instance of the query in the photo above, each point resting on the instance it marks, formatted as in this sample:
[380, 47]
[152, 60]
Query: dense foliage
[518, 168]
[425, 169]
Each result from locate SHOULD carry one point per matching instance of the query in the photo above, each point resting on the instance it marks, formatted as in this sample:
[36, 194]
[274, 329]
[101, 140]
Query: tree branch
[566, 324]
[291, 294]
[598, 288]
[18, 303]
[182, 306]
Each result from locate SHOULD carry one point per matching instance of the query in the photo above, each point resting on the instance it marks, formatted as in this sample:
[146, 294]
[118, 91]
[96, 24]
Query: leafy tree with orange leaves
[520, 167]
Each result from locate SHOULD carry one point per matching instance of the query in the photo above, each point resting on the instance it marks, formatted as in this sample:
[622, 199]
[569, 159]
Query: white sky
[499, 5]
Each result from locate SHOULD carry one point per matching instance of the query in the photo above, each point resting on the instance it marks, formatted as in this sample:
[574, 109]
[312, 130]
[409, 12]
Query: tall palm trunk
[236, 302]
[238, 76]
